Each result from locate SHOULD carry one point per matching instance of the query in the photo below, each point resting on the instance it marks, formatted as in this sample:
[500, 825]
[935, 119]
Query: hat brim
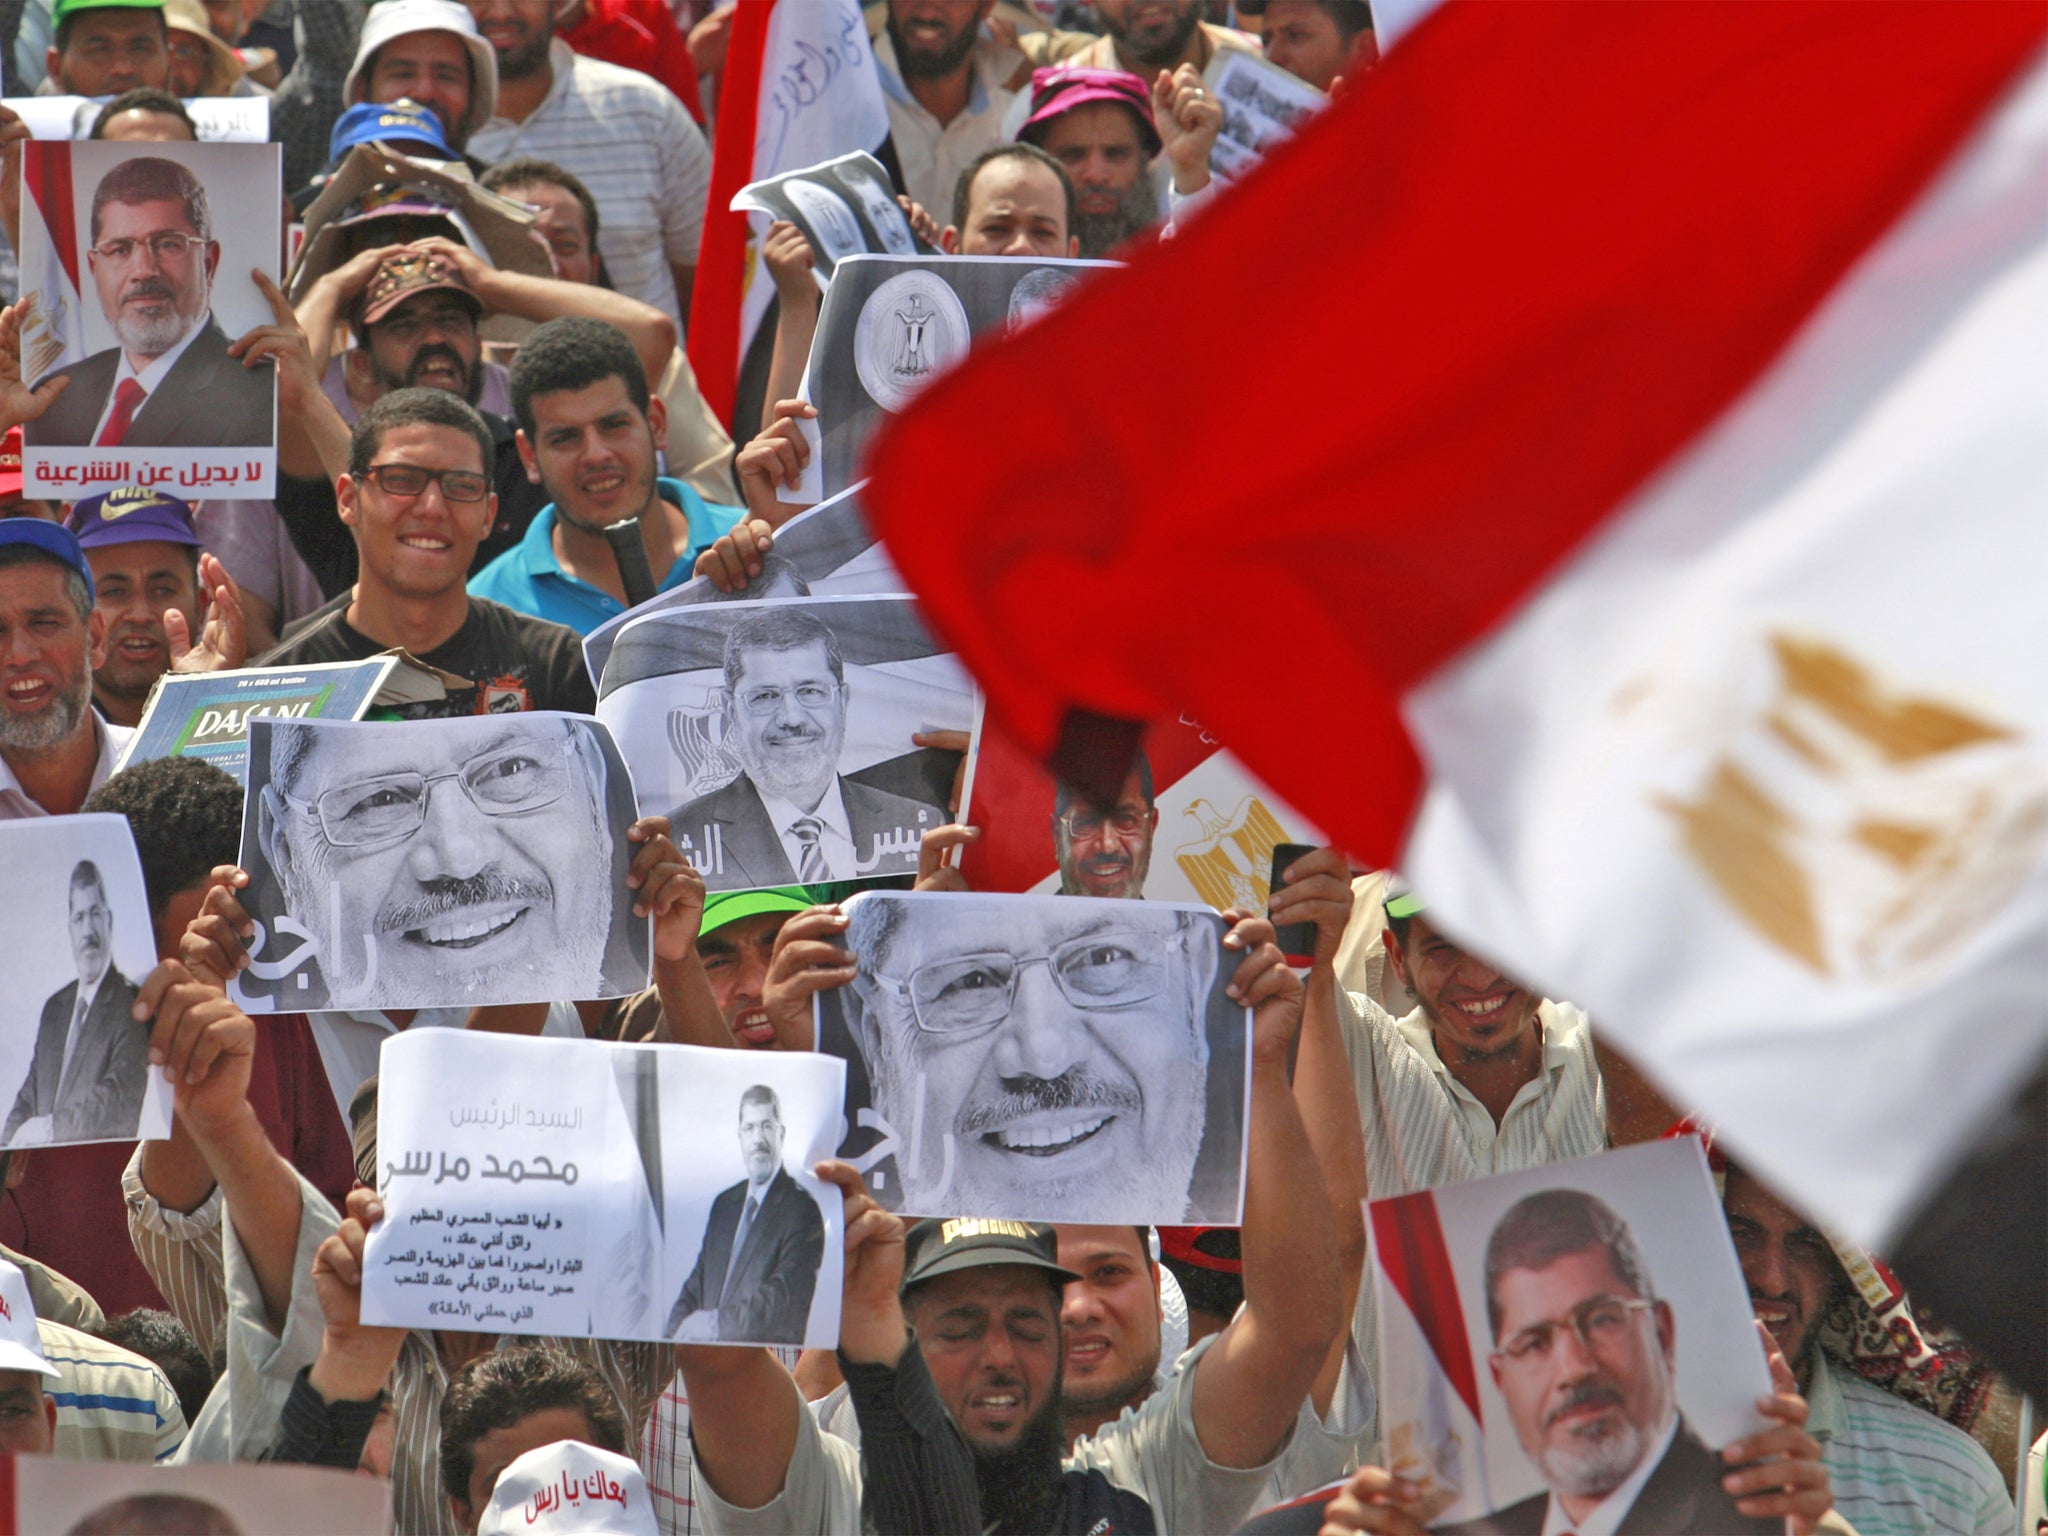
[19, 1357]
[984, 1258]
[745, 904]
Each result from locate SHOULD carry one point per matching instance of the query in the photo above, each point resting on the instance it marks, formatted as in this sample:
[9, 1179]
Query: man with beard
[1097, 123]
[627, 139]
[416, 499]
[424, 51]
[170, 381]
[589, 432]
[102, 49]
[1106, 851]
[1143, 37]
[54, 750]
[947, 88]
[91, 1058]
[951, 1345]
[789, 815]
[156, 591]
[1320, 40]
[1897, 1470]
[763, 1242]
[1584, 1356]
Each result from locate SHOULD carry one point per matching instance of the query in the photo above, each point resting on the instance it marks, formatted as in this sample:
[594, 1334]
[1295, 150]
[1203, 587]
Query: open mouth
[27, 693]
[603, 485]
[752, 1028]
[1490, 1009]
[1087, 1352]
[432, 544]
[138, 648]
[464, 930]
[1048, 1137]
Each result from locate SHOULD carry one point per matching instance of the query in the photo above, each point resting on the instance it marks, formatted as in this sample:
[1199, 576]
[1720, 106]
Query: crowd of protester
[198, 1299]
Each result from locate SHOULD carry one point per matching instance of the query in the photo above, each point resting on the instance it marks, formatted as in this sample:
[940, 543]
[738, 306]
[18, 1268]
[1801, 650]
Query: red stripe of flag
[1284, 467]
[714, 339]
[46, 167]
[9, 1522]
[1408, 1244]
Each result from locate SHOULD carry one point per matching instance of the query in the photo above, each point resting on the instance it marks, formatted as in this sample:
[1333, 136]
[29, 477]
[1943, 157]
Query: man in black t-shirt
[417, 499]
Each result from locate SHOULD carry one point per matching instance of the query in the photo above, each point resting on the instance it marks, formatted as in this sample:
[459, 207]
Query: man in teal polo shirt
[587, 434]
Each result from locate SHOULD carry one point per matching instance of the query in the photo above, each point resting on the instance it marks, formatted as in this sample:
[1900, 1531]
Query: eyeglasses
[165, 245]
[411, 480]
[766, 700]
[394, 805]
[1128, 821]
[965, 994]
[1599, 1323]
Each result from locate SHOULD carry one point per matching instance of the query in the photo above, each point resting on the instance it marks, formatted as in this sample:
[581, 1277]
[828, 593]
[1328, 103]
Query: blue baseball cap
[53, 539]
[398, 122]
[131, 514]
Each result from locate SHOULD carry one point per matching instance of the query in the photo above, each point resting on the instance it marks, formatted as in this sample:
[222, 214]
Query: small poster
[845, 207]
[135, 279]
[74, 951]
[1042, 1058]
[891, 324]
[117, 1498]
[207, 714]
[583, 1189]
[1262, 104]
[1568, 1347]
[777, 736]
[438, 864]
[828, 551]
[219, 119]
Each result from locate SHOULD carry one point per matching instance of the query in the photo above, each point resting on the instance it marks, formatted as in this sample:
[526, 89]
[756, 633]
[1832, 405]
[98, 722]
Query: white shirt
[148, 378]
[933, 154]
[1604, 1518]
[631, 143]
[835, 842]
[15, 804]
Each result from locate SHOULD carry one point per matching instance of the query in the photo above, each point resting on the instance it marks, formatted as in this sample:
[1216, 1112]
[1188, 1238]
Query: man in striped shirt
[1897, 1470]
[624, 136]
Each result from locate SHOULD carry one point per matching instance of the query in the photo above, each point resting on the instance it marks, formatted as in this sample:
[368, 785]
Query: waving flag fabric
[1622, 488]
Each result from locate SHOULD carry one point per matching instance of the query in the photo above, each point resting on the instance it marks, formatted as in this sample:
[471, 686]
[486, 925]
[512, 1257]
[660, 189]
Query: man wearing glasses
[1583, 1354]
[170, 382]
[1106, 852]
[789, 817]
[1038, 1055]
[432, 862]
[417, 499]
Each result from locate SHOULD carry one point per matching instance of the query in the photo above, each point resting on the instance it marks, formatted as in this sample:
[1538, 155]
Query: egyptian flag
[1598, 467]
[52, 265]
[800, 86]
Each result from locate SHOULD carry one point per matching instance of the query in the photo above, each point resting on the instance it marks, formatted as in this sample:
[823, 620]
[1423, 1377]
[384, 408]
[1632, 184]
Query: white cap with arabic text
[570, 1487]
[21, 1346]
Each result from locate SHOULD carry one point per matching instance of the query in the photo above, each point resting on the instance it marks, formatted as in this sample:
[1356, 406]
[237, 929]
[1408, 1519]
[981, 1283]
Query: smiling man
[1053, 1053]
[589, 432]
[1106, 851]
[169, 381]
[438, 861]
[54, 750]
[763, 1242]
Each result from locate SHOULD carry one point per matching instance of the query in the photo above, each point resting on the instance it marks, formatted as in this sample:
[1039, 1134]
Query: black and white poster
[587, 1189]
[76, 947]
[828, 551]
[438, 863]
[845, 207]
[890, 325]
[1042, 1058]
[776, 736]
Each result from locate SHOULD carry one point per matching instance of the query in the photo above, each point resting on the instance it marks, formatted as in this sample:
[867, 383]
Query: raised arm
[1249, 1388]
[312, 439]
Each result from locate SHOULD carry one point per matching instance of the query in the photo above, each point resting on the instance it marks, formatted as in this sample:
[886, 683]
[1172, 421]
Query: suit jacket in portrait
[100, 1095]
[754, 855]
[207, 400]
[768, 1298]
[1683, 1497]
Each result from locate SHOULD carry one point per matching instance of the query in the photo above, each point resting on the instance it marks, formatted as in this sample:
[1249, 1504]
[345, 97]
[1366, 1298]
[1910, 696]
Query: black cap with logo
[935, 1248]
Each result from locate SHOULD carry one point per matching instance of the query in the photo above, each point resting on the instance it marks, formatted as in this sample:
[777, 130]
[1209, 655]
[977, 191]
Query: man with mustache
[1583, 1354]
[170, 381]
[1106, 852]
[91, 1059]
[1098, 124]
[789, 816]
[763, 1242]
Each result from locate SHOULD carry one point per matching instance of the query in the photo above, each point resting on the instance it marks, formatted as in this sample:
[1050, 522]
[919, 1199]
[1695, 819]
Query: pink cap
[1057, 90]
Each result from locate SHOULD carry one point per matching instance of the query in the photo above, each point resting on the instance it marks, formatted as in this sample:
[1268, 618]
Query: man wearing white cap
[569, 1489]
[428, 51]
[28, 1414]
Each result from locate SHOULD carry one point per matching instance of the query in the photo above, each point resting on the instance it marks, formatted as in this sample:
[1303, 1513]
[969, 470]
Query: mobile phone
[1297, 940]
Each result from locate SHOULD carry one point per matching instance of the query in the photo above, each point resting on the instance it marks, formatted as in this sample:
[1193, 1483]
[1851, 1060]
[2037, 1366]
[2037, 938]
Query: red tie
[126, 398]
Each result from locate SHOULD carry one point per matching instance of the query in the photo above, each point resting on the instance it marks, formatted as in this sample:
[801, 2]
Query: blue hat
[397, 122]
[53, 539]
[129, 514]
